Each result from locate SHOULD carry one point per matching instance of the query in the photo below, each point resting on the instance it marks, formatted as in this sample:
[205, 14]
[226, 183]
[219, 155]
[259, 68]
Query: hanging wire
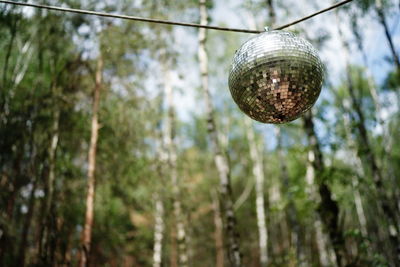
[169, 22]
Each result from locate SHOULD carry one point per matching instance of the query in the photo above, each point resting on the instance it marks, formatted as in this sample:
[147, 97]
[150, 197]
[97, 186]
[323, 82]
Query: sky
[228, 13]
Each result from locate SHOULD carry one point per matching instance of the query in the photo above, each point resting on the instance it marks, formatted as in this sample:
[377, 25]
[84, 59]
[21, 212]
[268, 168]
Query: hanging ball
[275, 77]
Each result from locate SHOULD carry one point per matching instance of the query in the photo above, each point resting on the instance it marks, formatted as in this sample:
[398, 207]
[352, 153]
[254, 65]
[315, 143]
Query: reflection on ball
[275, 77]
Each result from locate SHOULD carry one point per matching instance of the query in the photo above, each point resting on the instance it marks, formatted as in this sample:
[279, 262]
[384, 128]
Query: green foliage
[47, 67]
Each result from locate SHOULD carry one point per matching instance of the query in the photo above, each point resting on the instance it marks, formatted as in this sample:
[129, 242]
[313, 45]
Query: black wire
[169, 22]
[313, 15]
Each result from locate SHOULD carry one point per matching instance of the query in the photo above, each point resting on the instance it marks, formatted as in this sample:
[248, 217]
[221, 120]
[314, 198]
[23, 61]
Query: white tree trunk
[321, 243]
[172, 157]
[258, 172]
[325, 253]
[218, 235]
[219, 158]
[158, 232]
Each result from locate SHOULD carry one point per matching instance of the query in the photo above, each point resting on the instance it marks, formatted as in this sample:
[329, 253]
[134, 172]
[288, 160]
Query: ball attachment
[275, 77]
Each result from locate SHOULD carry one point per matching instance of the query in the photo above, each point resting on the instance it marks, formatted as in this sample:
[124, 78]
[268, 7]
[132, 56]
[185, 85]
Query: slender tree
[325, 254]
[232, 236]
[91, 179]
[328, 208]
[218, 235]
[383, 21]
[158, 231]
[380, 7]
[170, 144]
[258, 171]
[159, 224]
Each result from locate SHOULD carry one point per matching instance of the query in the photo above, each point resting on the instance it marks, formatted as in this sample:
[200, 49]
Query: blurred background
[120, 144]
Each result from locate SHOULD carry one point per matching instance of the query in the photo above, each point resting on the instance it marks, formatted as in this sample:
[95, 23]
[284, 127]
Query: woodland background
[121, 146]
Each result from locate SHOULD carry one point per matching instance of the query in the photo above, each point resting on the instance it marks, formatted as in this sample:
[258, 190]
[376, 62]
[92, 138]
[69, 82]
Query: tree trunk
[382, 20]
[171, 148]
[158, 232]
[258, 172]
[221, 162]
[159, 204]
[328, 208]
[87, 229]
[325, 254]
[218, 235]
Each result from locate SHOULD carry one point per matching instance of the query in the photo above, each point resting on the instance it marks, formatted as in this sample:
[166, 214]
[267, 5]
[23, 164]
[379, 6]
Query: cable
[168, 22]
[102, 14]
[313, 15]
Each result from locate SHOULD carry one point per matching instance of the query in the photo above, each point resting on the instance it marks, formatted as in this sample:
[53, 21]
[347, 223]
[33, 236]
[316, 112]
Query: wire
[313, 15]
[168, 22]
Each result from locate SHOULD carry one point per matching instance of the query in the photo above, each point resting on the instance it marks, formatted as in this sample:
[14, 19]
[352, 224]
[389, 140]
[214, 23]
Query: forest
[121, 145]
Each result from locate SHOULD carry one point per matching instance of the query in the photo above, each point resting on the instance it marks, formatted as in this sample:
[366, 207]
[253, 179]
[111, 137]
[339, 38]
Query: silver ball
[275, 77]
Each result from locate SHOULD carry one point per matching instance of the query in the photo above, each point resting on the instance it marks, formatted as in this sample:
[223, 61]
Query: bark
[383, 22]
[219, 232]
[171, 148]
[220, 159]
[91, 180]
[158, 232]
[325, 254]
[320, 238]
[367, 154]
[159, 205]
[328, 208]
[258, 172]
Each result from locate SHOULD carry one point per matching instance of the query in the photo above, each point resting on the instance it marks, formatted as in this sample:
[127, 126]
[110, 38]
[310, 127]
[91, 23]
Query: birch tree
[159, 225]
[232, 238]
[328, 208]
[258, 171]
[170, 144]
[91, 179]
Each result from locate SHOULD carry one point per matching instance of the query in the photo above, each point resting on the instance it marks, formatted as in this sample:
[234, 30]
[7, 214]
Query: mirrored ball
[275, 77]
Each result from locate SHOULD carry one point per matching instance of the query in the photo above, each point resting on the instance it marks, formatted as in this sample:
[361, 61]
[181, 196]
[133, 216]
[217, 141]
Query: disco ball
[275, 77]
